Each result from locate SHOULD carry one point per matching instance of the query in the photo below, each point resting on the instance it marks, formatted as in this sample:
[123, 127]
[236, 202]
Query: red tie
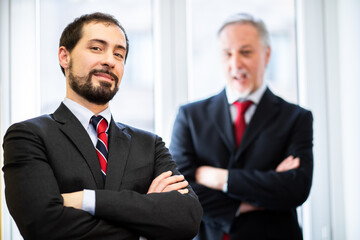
[226, 236]
[240, 124]
[100, 124]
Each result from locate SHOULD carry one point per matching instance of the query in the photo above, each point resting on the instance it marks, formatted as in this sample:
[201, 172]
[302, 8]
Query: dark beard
[99, 95]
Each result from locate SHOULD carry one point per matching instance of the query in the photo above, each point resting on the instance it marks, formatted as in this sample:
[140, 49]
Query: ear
[267, 54]
[64, 57]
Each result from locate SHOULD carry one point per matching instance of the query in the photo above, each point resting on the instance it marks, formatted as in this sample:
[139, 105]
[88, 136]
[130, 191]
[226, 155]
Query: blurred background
[174, 58]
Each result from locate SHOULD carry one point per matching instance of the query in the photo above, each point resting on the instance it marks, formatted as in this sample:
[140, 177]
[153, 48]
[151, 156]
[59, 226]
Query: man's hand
[288, 163]
[167, 183]
[247, 207]
[211, 177]
[73, 199]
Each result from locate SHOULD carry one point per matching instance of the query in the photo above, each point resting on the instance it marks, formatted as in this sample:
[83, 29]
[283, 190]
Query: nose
[236, 61]
[108, 59]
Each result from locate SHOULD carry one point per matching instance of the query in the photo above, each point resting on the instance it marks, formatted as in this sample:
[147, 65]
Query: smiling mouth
[240, 76]
[105, 76]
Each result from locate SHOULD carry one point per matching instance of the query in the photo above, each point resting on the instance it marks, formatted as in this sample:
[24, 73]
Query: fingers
[166, 183]
[247, 207]
[157, 181]
[183, 191]
[288, 163]
[176, 186]
[295, 163]
[171, 183]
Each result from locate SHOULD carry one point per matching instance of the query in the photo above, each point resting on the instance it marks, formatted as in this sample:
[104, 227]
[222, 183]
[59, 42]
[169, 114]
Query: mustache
[240, 72]
[92, 72]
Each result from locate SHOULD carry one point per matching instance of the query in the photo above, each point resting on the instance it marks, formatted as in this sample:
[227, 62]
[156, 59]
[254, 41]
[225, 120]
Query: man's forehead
[99, 25]
[240, 32]
[99, 30]
[241, 29]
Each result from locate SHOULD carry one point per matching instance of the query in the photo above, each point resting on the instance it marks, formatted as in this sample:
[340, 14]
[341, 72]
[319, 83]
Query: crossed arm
[34, 198]
[165, 182]
[216, 178]
[260, 182]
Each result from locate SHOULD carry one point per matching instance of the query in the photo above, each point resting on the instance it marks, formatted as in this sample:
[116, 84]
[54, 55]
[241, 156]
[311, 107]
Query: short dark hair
[73, 32]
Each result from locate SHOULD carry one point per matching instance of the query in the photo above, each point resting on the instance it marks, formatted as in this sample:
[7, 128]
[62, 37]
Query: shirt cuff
[225, 186]
[88, 204]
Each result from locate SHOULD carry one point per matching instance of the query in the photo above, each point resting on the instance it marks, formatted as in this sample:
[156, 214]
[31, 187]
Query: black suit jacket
[203, 135]
[53, 154]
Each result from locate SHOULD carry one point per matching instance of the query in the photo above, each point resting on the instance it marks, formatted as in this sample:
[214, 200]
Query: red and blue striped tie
[100, 124]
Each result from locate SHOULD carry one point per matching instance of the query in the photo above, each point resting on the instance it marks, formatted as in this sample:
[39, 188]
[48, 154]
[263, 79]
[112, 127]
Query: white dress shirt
[255, 97]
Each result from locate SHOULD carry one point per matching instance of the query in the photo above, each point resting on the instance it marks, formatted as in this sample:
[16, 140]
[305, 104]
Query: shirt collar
[255, 97]
[83, 114]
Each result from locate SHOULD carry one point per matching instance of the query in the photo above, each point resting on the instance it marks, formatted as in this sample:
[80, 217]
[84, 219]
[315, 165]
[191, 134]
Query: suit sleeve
[279, 190]
[34, 199]
[216, 204]
[169, 215]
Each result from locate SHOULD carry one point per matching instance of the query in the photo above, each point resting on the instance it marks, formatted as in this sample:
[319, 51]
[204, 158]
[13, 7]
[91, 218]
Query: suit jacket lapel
[265, 111]
[219, 113]
[119, 145]
[71, 127]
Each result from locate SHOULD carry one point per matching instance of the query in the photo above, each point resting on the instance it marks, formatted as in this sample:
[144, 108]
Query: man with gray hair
[246, 152]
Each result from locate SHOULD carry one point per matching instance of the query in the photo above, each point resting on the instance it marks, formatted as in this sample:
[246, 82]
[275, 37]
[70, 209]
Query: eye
[227, 54]
[95, 48]
[246, 52]
[119, 55]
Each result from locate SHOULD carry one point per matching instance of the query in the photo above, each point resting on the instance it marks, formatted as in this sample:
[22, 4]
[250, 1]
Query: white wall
[312, 95]
[334, 119]
[171, 68]
[19, 79]
[329, 82]
[349, 82]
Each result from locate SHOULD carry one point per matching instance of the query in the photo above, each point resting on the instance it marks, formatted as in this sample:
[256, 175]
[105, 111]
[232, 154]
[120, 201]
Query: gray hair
[245, 18]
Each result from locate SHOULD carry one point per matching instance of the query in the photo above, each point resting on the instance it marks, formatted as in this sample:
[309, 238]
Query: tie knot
[99, 123]
[242, 106]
